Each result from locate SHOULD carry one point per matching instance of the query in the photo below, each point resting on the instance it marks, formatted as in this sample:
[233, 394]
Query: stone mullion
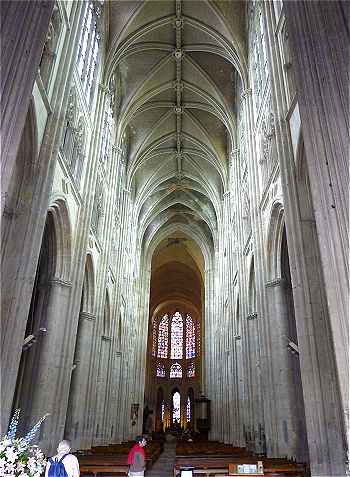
[320, 405]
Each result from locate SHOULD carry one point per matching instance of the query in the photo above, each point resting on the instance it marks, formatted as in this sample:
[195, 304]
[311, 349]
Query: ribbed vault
[176, 64]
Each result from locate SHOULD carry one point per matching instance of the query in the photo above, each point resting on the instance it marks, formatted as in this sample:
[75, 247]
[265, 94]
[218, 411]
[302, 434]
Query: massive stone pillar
[289, 419]
[319, 36]
[50, 393]
[24, 27]
[77, 412]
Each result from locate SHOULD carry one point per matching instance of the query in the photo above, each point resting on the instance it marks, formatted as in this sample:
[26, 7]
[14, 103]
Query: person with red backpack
[63, 464]
[137, 458]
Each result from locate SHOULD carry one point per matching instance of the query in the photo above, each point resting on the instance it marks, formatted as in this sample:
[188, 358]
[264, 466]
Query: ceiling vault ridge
[178, 55]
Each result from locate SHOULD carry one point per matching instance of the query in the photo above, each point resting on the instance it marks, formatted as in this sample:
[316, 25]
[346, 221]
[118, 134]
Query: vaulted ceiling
[177, 63]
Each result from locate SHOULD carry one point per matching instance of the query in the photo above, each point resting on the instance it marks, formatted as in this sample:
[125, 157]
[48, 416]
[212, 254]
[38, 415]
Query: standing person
[137, 458]
[63, 464]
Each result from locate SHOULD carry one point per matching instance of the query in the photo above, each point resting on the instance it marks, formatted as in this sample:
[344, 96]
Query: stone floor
[165, 463]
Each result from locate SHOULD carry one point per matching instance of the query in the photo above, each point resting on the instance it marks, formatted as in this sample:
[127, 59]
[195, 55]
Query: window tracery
[49, 53]
[73, 142]
[190, 338]
[176, 336]
[106, 139]
[88, 49]
[176, 371]
[191, 370]
[97, 211]
[160, 370]
[162, 410]
[188, 409]
[176, 407]
[163, 337]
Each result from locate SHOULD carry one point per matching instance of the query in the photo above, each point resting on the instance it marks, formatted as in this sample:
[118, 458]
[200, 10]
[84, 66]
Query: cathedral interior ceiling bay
[176, 64]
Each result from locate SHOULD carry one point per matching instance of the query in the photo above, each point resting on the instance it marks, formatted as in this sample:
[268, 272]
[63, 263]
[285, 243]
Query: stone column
[77, 412]
[319, 34]
[290, 439]
[23, 30]
[261, 407]
[48, 394]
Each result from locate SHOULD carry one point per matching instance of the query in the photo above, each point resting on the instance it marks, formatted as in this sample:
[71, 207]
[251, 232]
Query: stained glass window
[154, 340]
[190, 338]
[191, 371]
[176, 336]
[162, 410]
[88, 50]
[163, 337]
[188, 409]
[176, 371]
[160, 370]
[176, 407]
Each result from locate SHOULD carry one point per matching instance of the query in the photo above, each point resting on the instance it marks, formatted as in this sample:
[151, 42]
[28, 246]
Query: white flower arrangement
[18, 458]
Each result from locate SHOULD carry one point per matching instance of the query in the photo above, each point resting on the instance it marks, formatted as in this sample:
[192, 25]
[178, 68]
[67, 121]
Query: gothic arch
[88, 294]
[62, 225]
[274, 241]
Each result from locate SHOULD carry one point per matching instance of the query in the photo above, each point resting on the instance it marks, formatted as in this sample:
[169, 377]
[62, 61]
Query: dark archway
[37, 324]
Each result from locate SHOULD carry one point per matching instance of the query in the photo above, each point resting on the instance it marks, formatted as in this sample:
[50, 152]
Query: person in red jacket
[137, 458]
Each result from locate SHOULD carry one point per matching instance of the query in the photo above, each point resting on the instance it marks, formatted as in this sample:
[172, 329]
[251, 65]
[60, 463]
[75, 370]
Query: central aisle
[165, 464]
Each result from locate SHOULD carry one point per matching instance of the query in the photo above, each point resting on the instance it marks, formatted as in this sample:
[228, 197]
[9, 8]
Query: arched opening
[190, 417]
[38, 324]
[296, 425]
[174, 356]
[176, 409]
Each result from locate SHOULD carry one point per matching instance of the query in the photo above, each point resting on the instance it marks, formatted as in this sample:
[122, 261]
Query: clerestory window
[88, 49]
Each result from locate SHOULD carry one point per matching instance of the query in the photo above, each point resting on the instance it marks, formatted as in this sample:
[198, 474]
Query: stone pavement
[165, 464]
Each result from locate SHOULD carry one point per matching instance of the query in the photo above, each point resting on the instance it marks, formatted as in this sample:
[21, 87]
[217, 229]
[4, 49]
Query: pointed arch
[59, 213]
[274, 241]
[88, 294]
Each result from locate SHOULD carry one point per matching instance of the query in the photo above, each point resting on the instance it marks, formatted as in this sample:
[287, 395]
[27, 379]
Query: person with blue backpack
[63, 464]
